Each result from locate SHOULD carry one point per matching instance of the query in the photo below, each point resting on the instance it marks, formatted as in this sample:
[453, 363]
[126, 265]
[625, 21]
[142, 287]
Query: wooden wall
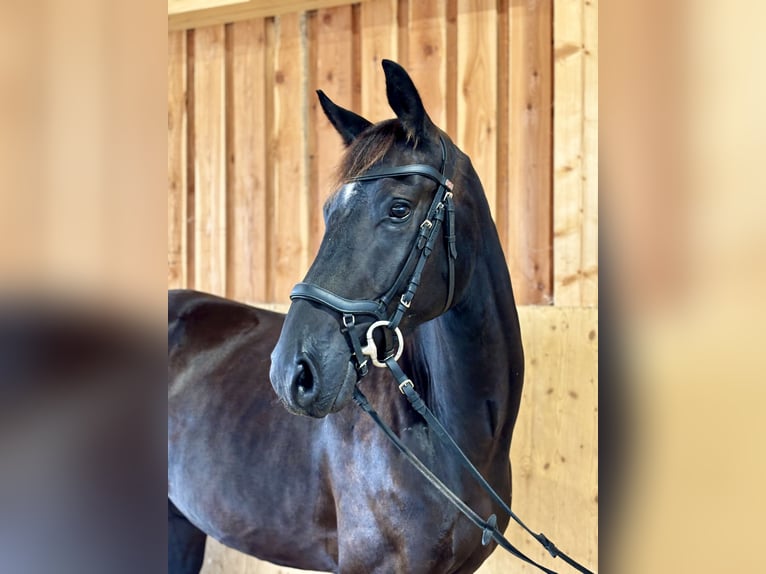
[251, 155]
[515, 83]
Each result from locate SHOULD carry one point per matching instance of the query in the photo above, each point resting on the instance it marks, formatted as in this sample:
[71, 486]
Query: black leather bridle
[440, 213]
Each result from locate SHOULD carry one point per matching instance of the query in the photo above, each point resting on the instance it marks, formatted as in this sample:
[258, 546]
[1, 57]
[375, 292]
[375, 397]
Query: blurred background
[81, 148]
[82, 223]
[82, 244]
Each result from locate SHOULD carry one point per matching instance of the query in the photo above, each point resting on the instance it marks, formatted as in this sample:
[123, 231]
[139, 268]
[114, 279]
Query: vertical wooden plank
[271, 29]
[246, 133]
[589, 294]
[567, 152]
[427, 58]
[356, 62]
[477, 89]
[190, 162]
[333, 74]
[402, 33]
[379, 41]
[288, 180]
[451, 57]
[177, 160]
[210, 161]
[313, 167]
[571, 270]
[503, 137]
[529, 247]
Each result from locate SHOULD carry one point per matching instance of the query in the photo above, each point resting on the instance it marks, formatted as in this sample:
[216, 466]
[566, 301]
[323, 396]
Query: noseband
[441, 212]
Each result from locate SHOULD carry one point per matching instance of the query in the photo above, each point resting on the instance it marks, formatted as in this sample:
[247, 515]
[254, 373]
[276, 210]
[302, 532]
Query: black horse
[330, 492]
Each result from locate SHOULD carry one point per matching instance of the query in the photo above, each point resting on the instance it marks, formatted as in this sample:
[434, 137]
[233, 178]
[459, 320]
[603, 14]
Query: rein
[440, 213]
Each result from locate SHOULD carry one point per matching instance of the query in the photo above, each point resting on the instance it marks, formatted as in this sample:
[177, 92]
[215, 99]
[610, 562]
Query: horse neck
[470, 361]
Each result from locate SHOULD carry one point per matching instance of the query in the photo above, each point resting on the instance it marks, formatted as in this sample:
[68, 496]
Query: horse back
[200, 321]
[206, 320]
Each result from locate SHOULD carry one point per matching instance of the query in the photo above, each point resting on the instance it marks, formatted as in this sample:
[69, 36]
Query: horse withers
[327, 491]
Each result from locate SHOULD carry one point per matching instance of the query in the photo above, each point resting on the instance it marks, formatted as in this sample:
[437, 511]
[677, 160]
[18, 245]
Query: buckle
[426, 225]
[404, 302]
[489, 530]
[407, 383]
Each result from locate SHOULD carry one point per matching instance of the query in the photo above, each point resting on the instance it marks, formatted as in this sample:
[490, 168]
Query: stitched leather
[336, 302]
[403, 171]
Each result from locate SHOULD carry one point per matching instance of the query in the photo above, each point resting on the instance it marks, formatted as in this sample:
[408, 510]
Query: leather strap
[429, 231]
[408, 390]
[441, 211]
[488, 527]
[405, 170]
[336, 302]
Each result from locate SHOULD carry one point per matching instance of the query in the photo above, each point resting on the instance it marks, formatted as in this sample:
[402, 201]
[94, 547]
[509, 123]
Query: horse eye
[399, 210]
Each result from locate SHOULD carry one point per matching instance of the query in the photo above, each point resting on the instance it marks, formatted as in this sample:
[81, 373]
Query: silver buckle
[408, 382]
[405, 303]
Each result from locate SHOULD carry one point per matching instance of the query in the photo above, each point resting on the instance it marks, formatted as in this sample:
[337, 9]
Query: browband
[405, 170]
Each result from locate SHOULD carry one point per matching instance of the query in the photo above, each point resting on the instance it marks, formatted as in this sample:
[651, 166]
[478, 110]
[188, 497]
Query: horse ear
[348, 124]
[404, 99]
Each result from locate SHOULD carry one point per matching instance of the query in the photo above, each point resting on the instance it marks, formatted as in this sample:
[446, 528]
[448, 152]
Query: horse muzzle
[311, 370]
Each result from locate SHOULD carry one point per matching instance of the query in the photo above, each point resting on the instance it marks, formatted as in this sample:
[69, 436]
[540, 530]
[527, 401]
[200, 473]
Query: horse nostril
[303, 383]
[303, 378]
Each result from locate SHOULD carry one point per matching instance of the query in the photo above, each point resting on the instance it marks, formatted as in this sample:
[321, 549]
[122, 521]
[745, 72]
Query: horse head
[395, 183]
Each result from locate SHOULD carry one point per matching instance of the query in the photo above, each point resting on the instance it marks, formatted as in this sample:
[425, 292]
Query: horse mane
[369, 148]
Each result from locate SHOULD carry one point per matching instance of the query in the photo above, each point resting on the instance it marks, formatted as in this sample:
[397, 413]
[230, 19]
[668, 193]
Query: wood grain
[477, 89]
[177, 248]
[575, 215]
[288, 260]
[529, 193]
[378, 41]
[589, 292]
[332, 41]
[209, 161]
[246, 262]
[486, 71]
[426, 58]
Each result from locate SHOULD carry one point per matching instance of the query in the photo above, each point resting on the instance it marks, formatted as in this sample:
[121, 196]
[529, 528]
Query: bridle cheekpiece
[440, 213]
